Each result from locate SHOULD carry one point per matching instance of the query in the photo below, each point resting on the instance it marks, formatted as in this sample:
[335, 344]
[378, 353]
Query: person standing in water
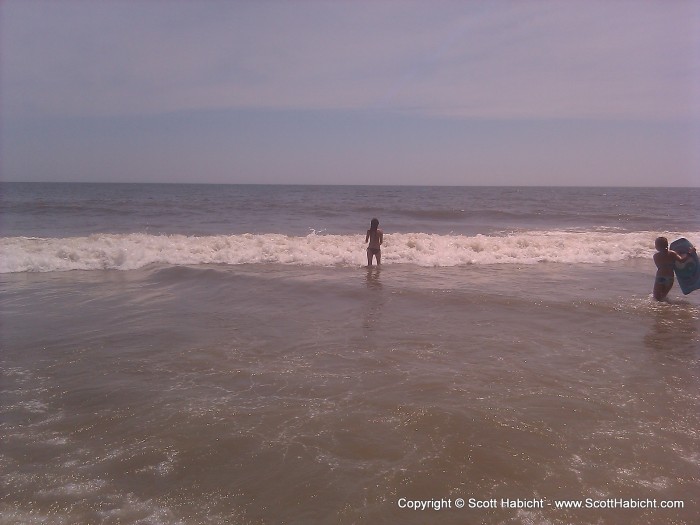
[375, 236]
[665, 260]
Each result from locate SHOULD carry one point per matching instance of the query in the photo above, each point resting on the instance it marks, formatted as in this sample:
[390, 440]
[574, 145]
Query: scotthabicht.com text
[536, 503]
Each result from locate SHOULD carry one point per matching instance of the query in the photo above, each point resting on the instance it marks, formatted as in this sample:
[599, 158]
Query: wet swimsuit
[374, 251]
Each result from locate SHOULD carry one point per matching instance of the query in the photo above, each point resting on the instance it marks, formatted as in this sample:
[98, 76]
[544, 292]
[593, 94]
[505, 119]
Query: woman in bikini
[665, 260]
[375, 236]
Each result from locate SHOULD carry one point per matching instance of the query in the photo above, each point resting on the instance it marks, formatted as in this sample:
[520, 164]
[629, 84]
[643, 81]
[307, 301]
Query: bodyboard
[687, 272]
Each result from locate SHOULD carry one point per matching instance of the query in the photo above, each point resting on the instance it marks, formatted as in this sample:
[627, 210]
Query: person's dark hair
[661, 243]
[374, 224]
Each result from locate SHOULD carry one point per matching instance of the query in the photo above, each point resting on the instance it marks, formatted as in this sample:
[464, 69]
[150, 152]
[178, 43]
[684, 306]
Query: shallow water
[272, 393]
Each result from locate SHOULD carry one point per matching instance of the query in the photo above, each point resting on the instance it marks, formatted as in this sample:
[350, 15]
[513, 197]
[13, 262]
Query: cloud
[499, 60]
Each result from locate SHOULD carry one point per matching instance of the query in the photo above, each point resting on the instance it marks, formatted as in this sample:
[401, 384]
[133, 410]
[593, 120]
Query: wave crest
[136, 250]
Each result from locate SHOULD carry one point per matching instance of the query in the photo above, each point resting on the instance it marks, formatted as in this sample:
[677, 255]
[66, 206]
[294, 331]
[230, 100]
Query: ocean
[205, 354]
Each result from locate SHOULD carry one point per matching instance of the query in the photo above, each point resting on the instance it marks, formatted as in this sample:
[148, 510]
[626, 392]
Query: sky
[565, 93]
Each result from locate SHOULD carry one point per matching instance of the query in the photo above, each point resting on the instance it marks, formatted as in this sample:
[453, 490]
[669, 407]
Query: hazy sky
[351, 92]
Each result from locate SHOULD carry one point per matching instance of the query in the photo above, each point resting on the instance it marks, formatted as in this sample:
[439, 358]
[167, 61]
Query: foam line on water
[136, 250]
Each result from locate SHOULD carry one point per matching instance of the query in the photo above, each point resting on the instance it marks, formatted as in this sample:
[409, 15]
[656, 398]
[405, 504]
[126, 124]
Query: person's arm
[367, 236]
[381, 237]
[684, 257]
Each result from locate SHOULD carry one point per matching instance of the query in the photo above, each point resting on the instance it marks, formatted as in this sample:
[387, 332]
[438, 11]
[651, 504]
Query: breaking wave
[137, 250]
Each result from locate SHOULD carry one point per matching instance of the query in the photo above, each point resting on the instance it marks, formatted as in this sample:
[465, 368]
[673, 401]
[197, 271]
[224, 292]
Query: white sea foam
[132, 251]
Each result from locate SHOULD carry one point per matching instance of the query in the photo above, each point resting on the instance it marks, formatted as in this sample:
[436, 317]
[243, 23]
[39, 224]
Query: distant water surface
[61, 210]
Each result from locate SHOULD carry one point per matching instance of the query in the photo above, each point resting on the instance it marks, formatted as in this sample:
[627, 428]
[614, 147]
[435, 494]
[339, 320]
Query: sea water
[182, 354]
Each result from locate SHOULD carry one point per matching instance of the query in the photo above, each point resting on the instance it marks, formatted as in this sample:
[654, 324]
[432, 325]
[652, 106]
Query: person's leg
[661, 288]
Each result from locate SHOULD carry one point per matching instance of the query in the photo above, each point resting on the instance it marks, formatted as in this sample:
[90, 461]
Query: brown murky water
[268, 394]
